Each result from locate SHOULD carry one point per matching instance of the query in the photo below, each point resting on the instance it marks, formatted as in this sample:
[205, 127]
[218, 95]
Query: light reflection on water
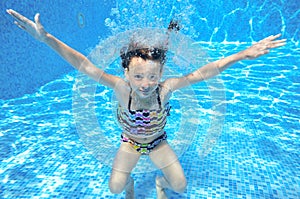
[262, 121]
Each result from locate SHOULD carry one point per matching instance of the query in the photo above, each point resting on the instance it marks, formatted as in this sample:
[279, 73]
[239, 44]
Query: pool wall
[26, 64]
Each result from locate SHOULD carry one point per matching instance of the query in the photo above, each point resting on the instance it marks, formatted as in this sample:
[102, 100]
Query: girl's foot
[160, 192]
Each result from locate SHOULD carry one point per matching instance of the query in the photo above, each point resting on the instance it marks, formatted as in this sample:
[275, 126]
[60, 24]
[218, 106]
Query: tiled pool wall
[27, 64]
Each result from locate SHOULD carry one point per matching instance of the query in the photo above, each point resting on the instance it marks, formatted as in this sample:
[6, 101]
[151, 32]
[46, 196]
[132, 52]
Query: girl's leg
[165, 159]
[125, 160]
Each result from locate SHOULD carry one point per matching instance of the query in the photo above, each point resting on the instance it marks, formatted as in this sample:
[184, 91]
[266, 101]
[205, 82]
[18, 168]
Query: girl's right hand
[35, 29]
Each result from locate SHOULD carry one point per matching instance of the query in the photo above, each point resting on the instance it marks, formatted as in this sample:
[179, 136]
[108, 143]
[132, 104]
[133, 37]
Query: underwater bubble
[101, 135]
[80, 20]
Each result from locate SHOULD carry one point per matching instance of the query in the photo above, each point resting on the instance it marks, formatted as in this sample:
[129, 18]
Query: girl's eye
[138, 76]
[153, 77]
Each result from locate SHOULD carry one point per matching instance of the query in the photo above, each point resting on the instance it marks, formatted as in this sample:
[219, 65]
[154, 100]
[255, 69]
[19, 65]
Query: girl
[143, 101]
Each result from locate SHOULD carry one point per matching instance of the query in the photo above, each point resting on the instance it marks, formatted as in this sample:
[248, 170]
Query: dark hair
[174, 26]
[156, 54]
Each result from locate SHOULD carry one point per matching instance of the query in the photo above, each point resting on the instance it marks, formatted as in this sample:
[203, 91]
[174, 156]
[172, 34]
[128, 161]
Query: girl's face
[143, 76]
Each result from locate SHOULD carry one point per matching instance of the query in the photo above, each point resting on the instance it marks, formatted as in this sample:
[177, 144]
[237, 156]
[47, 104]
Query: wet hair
[174, 26]
[155, 54]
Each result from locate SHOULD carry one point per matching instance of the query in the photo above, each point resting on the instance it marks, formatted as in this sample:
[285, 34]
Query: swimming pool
[256, 155]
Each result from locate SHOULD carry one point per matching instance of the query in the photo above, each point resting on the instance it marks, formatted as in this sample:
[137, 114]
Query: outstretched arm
[212, 69]
[260, 48]
[76, 59]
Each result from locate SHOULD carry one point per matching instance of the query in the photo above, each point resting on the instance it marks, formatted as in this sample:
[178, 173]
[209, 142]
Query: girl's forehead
[140, 65]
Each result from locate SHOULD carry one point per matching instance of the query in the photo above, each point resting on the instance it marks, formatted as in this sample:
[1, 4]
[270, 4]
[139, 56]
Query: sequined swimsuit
[143, 123]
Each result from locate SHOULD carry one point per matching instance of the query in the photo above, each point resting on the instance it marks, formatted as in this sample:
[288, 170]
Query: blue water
[255, 154]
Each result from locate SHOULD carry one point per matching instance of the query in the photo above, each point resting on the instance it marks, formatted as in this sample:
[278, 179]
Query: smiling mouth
[145, 92]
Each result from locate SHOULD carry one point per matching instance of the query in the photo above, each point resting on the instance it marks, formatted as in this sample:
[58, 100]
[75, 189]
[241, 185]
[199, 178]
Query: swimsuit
[144, 148]
[143, 123]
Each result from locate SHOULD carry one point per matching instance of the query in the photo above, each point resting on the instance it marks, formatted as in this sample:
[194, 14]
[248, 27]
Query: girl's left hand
[263, 47]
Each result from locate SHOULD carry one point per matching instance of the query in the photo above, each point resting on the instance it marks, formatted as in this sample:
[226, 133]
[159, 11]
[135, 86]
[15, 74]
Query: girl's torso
[146, 124]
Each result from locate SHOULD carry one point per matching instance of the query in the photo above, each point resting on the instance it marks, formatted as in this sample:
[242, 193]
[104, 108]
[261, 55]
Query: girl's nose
[145, 85]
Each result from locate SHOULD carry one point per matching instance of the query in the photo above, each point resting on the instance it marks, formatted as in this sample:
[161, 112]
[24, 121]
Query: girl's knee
[117, 182]
[116, 187]
[179, 185]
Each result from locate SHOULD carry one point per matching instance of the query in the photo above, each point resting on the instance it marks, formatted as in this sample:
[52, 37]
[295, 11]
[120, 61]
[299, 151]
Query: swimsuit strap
[158, 98]
[129, 101]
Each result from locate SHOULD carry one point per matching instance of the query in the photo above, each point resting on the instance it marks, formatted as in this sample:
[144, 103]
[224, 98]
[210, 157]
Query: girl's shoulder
[165, 92]
[122, 92]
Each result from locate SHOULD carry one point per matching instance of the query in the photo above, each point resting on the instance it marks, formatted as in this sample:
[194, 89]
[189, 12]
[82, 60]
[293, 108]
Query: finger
[22, 21]
[16, 15]
[275, 37]
[10, 11]
[266, 39]
[277, 43]
[265, 52]
[270, 38]
[37, 18]
[19, 25]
